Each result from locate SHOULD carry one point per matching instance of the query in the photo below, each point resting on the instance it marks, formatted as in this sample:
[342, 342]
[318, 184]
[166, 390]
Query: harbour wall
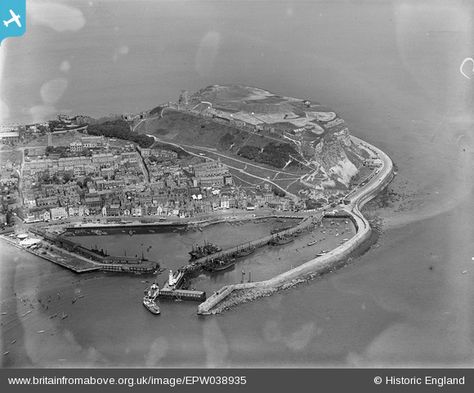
[197, 264]
[166, 225]
[328, 261]
[53, 258]
[314, 266]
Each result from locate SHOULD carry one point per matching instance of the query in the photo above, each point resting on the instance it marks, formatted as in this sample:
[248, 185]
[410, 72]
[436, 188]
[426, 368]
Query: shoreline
[199, 223]
[49, 258]
[78, 263]
[232, 295]
[57, 254]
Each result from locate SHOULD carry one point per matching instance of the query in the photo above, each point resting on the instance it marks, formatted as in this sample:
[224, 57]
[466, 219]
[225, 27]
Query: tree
[278, 192]
[273, 154]
[10, 218]
[45, 177]
[55, 179]
[67, 177]
[120, 129]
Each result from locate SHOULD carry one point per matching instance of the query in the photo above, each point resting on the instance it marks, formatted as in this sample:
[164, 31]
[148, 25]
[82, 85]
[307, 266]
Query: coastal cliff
[316, 137]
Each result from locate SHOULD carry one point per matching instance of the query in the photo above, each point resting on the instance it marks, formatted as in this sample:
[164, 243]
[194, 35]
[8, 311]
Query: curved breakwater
[227, 297]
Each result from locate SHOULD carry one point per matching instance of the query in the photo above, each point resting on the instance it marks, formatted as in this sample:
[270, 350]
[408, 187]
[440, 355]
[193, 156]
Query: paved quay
[58, 256]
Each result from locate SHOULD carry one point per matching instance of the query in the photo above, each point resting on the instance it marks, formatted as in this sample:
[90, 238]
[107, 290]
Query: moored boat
[244, 252]
[149, 299]
[201, 251]
[279, 241]
[151, 306]
[221, 265]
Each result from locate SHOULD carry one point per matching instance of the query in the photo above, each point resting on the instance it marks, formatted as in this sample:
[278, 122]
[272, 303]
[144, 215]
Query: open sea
[390, 68]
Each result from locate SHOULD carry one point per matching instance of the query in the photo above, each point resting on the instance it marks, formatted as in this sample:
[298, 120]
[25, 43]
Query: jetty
[198, 265]
[172, 289]
[182, 294]
[80, 259]
[70, 262]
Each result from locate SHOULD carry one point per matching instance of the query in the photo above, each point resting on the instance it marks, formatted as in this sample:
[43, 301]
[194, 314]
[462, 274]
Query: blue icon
[13, 18]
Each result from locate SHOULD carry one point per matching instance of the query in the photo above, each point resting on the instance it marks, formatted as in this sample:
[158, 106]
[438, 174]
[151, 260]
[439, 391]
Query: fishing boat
[201, 251]
[279, 241]
[244, 252]
[221, 265]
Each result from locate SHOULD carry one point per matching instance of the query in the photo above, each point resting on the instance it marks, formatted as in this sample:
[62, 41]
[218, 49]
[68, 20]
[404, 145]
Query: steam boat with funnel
[202, 251]
[149, 300]
[222, 264]
[281, 240]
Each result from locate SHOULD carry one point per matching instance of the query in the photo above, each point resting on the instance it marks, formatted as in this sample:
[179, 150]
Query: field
[217, 140]
[56, 139]
[184, 128]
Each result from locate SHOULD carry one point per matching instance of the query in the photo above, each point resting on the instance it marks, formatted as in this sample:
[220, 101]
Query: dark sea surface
[391, 69]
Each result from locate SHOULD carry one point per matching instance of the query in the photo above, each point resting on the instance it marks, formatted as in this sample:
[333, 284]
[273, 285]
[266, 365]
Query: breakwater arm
[223, 298]
[198, 264]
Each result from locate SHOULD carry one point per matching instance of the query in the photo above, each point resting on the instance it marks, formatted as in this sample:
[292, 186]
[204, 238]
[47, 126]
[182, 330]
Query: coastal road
[134, 128]
[362, 195]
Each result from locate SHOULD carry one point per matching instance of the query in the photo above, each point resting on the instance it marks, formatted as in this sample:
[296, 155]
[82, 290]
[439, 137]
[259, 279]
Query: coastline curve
[223, 299]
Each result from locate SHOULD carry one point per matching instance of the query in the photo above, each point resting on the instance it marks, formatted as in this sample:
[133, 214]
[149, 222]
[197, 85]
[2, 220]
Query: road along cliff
[234, 294]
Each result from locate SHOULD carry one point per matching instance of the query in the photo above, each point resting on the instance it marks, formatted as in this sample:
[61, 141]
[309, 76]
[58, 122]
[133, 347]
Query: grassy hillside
[187, 129]
[317, 139]
[180, 127]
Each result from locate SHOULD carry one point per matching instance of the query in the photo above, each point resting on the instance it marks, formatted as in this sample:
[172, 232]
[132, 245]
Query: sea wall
[312, 267]
[198, 264]
[224, 297]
